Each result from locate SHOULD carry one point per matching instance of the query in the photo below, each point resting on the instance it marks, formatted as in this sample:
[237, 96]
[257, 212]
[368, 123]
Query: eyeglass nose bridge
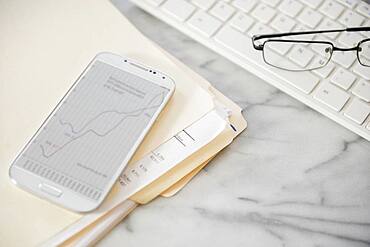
[355, 48]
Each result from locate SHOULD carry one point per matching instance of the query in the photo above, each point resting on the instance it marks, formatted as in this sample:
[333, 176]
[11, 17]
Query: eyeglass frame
[260, 47]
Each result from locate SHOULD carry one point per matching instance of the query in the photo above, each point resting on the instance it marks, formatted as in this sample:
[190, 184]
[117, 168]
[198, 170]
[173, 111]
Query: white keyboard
[340, 90]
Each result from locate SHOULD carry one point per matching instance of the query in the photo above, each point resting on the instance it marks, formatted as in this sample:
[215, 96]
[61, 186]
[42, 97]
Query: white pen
[106, 223]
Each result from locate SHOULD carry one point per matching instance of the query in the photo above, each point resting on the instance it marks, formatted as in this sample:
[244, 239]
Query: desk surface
[295, 179]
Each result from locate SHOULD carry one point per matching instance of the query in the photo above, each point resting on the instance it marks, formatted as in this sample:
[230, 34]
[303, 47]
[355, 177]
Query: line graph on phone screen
[94, 127]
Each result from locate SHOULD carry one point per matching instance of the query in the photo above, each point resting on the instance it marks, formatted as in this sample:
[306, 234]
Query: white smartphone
[78, 153]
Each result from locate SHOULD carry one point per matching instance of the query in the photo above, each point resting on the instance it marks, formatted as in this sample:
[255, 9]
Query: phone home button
[51, 190]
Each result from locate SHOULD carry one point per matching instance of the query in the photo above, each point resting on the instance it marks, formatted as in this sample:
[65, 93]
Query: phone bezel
[70, 199]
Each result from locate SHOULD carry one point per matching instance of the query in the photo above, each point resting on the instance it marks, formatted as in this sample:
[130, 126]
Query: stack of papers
[45, 46]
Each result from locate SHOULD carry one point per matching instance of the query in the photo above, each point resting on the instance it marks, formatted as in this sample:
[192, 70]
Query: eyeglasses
[307, 54]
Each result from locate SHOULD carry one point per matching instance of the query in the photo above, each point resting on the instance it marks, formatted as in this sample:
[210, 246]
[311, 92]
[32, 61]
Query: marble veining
[294, 178]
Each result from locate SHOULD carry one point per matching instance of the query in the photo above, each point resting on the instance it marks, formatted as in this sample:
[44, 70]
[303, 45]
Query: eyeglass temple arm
[265, 36]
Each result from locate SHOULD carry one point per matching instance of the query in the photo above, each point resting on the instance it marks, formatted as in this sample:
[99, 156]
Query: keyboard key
[321, 37]
[351, 19]
[204, 4]
[310, 18]
[343, 78]
[357, 111]
[290, 7]
[300, 55]
[245, 5]
[263, 13]
[178, 9]
[281, 47]
[260, 28]
[325, 71]
[331, 96]
[350, 39]
[204, 23]
[362, 71]
[363, 8]
[235, 41]
[283, 23]
[242, 46]
[349, 3]
[328, 24]
[331, 9]
[155, 2]
[272, 3]
[362, 90]
[301, 28]
[312, 3]
[241, 21]
[222, 11]
[344, 58]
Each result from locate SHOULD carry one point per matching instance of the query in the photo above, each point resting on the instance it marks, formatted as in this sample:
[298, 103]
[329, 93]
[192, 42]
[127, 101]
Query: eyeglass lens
[364, 53]
[298, 56]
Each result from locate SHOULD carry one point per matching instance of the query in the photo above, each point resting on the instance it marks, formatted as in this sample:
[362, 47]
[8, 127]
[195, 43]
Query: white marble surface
[294, 178]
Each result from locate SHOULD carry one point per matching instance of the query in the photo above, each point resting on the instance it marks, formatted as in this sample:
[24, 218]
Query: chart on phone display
[98, 123]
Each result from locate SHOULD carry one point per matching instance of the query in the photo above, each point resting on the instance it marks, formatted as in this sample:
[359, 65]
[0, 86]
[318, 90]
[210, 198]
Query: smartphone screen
[86, 139]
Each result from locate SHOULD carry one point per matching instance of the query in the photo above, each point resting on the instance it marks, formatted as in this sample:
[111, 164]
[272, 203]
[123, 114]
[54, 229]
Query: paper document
[172, 152]
[153, 165]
